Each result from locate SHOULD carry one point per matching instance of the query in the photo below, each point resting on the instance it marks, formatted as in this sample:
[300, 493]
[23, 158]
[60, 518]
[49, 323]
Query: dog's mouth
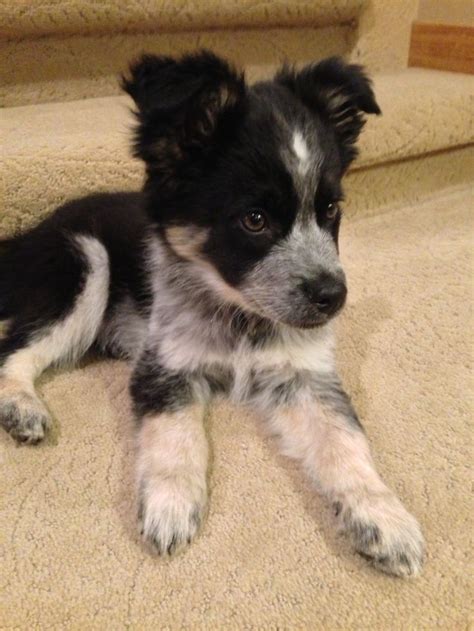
[307, 324]
[313, 324]
[311, 321]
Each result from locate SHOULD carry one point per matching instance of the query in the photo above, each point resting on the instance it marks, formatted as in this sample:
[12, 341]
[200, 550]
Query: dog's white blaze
[301, 151]
[72, 336]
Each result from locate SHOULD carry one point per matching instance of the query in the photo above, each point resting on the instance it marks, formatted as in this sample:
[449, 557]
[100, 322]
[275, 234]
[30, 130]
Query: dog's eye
[331, 210]
[254, 221]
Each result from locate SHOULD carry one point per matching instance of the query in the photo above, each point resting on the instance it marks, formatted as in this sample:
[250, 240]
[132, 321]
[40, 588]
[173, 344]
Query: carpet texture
[70, 49]
[268, 557]
[37, 18]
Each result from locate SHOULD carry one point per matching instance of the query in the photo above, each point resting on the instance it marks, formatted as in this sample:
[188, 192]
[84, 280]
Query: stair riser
[80, 67]
[90, 17]
[372, 190]
[67, 58]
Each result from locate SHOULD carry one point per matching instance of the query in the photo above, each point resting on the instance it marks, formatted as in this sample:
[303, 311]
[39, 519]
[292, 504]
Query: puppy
[221, 277]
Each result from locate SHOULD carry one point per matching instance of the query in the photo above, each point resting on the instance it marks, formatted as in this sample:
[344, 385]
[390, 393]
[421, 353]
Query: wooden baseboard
[442, 47]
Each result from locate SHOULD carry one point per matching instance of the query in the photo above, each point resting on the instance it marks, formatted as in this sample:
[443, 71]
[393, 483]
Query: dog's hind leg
[69, 289]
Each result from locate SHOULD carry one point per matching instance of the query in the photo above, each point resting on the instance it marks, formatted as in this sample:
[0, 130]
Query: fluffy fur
[221, 277]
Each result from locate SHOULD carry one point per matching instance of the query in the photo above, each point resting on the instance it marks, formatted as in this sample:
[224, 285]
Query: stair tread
[423, 110]
[55, 151]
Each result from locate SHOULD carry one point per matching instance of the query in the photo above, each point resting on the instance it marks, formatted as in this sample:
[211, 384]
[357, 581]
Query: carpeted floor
[268, 557]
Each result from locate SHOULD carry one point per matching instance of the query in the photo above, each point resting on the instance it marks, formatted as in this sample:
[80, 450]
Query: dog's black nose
[325, 292]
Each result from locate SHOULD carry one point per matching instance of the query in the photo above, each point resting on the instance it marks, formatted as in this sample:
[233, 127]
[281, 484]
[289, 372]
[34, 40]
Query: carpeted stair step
[52, 152]
[89, 17]
[71, 49]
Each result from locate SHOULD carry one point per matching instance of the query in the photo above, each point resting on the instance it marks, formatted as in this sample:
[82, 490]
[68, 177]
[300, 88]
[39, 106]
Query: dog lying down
[221, 277]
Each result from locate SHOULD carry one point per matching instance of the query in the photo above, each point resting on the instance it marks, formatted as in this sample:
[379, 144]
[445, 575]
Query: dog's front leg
[319, 427]
[172, 454]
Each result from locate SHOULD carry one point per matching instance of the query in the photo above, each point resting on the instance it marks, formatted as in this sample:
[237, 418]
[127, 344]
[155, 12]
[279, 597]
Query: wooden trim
[442, 46]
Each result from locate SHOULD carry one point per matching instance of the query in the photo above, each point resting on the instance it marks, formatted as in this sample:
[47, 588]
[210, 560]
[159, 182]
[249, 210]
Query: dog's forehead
[284, 136]
[296, 135]
[303, 158]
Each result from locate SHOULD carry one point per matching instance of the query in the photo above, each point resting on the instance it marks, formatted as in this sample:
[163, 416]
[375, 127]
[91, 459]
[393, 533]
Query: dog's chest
[245, 361]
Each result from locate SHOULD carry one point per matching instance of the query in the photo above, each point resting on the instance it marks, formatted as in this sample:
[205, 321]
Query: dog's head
[245, 181]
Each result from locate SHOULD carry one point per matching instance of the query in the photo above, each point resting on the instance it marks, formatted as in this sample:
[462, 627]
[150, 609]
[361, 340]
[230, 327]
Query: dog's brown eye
[332, 210]
[254, 221]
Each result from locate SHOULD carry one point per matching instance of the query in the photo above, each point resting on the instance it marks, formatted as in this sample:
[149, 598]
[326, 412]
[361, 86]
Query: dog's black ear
[340, 93]
[184, 106]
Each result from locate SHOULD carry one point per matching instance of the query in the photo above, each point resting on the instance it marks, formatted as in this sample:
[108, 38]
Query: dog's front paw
[384, 532]
[23, 415]
[171, 511]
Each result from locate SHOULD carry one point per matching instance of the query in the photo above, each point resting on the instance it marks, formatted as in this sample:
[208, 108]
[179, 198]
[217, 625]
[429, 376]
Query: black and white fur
[221, 277]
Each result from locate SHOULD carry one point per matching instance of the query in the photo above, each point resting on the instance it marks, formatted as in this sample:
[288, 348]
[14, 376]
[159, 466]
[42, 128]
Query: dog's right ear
[184, 107]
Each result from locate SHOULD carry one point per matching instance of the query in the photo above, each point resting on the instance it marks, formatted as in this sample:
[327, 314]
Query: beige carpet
[268, 557]
[58, 50]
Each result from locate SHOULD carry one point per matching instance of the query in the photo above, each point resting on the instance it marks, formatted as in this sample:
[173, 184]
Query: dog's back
[41, 269]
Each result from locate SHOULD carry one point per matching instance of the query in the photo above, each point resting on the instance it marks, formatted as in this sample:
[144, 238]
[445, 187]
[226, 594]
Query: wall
[447, 11]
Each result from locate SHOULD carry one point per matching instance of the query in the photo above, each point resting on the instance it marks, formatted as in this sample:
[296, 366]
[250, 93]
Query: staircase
[65, 126]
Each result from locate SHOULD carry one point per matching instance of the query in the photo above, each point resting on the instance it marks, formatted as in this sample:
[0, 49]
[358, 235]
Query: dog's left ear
[185, 108]
[340, 93]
